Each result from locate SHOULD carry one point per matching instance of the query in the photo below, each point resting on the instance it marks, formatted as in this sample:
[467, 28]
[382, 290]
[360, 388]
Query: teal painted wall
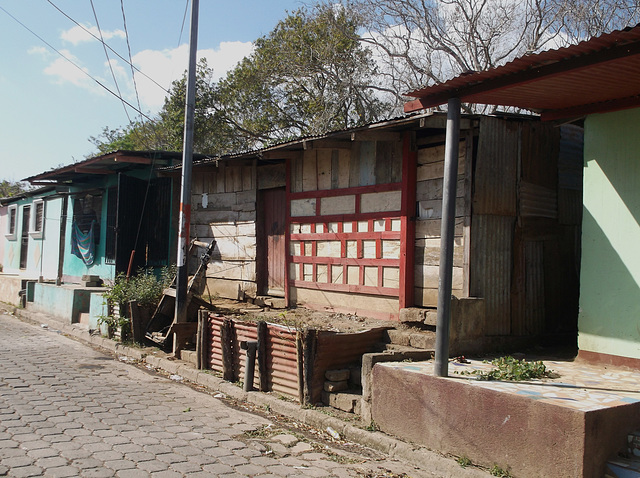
[609, 318]
[74, 268]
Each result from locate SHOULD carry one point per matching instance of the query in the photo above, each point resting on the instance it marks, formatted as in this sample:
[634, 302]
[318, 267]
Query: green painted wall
[609, 319]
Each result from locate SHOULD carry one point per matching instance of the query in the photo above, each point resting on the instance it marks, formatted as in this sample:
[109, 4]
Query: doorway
[272, 239]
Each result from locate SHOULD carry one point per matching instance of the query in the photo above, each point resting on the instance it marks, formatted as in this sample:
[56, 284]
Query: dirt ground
[300, 317]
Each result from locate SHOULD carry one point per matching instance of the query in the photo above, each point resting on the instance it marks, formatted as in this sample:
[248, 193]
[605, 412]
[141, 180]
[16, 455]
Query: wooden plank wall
[429, 222]
[345, 202]
[229, 192]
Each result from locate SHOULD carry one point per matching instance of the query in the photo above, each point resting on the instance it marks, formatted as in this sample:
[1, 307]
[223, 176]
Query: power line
[104, 46]
[74, 64]
[130, 63]
[184, 19]
[133, 73]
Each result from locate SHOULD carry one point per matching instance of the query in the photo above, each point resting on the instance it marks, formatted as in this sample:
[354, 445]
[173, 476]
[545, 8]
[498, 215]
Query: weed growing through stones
[496, 470]
[463, 461]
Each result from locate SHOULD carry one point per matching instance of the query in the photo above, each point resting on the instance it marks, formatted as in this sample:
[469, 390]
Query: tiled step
[626, 467]
[622, 468]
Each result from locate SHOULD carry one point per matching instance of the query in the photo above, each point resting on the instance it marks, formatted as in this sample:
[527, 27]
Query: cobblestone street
[69, 410]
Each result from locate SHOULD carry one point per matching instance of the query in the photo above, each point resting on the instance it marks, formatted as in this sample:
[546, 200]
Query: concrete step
[83, 318]
[622, 468]
[417, 339]
[348, 401]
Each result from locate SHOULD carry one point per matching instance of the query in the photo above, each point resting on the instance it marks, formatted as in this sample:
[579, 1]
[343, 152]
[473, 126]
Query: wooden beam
[281, 154]
[583, 110]
[132, 160]
[373, 135]
[93, 170]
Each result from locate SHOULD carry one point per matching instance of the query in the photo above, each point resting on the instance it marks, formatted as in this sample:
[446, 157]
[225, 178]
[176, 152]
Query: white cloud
[77, 35]
[65, 72]
[166, 66]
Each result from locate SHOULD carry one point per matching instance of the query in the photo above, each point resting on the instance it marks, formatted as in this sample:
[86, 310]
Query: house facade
[350, 222]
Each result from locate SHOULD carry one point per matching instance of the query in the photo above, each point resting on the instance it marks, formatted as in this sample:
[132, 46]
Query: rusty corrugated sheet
[282, 360]
[490, 269]
[537, 201]
[553, 79]
[534, 290]
[249, 332]
[215, 343]
[496, 167]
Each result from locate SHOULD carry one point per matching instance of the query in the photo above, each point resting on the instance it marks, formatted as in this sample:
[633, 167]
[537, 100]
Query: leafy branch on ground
[509, 368]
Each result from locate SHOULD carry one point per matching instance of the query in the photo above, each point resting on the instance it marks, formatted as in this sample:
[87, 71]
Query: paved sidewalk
[67, 409]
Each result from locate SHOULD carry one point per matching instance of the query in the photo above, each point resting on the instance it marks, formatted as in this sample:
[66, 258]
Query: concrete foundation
[10, 287]
[66, 302]
[534, 429]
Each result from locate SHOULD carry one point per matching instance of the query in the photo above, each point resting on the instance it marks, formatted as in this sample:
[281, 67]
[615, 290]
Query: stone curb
[422, 458]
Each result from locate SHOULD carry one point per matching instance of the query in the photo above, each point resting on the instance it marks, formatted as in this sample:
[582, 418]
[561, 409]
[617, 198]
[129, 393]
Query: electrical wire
[133, 73]
[106, 88]
[112, 50]
[106, 53]
[184, 20]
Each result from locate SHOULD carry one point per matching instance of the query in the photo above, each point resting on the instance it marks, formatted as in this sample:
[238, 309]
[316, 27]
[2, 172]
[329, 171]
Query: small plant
[464, 462]
[372, 426]
[499, 472]
[509, 368]
[146, 288]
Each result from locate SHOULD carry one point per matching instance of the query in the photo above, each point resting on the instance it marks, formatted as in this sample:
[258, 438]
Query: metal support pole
[250, 363]
[182, 278]
[447, 237]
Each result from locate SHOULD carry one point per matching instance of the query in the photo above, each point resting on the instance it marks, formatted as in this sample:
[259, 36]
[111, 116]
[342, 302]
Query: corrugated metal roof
[602, 73]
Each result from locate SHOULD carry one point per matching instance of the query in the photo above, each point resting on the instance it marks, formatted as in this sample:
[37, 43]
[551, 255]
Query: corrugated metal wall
[527, 184]
[281, 353]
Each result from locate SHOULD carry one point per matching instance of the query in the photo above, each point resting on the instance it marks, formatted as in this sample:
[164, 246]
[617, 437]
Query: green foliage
[463, 461]
[499, 472]
[309, 75]
[509, 368]
[12, 188]
[145, 287]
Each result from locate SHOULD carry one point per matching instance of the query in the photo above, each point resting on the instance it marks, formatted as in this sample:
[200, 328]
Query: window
[36, 228]
[12, 221]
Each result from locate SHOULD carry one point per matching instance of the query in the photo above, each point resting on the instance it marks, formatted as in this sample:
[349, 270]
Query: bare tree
[417, 43]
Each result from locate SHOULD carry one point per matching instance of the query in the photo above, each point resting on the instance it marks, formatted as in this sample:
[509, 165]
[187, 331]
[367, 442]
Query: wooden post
[227, 339]
[309, 342]
[408, 219]
[262, 331]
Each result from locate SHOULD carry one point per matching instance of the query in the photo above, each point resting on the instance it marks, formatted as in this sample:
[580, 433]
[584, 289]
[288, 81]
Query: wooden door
[273, 215]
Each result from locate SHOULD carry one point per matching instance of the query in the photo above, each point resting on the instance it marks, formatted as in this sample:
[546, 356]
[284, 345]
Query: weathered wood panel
[490, 269]
[496, 167]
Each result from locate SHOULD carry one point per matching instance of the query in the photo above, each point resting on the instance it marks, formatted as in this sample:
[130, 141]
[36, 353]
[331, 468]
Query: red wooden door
[274, 224]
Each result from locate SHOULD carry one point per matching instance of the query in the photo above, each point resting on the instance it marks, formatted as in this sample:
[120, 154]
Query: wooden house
[350, 222]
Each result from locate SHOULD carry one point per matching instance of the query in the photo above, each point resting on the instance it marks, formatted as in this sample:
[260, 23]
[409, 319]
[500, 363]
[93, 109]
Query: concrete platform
[569, 426]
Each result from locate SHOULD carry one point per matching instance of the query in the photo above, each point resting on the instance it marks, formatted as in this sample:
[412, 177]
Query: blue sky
[49, 108]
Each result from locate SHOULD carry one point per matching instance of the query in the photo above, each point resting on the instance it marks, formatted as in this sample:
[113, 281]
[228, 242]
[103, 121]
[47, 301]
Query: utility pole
[447, 237]
[182, 278]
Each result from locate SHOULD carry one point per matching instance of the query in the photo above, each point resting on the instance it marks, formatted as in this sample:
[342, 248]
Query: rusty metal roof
[601, 74]
[108, 163]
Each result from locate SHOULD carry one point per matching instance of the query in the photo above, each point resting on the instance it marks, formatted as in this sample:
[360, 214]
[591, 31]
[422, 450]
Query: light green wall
[609, 319]
[42, 252]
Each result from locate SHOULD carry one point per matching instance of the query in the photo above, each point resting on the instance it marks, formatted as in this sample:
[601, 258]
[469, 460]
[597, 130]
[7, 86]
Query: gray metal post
[249, 364]
[182, 278]
[447, 237]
